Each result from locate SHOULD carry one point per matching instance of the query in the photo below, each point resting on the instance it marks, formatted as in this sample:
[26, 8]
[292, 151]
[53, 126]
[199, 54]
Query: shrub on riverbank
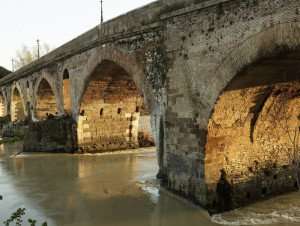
[17, 218]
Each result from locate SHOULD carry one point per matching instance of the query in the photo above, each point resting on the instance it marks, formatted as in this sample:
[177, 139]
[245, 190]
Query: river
[113, 190]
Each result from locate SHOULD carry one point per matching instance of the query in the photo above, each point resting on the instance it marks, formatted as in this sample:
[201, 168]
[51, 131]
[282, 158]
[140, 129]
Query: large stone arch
[248, 103]
[114, 88]
[18, 103]
[50, 106]
[259, 45]
[127, 61]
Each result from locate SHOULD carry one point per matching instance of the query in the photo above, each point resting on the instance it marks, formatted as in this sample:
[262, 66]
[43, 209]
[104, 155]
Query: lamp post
[101, 5]
[12, 64]
[38, 48]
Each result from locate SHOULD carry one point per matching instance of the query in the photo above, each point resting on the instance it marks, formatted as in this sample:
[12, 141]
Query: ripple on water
[241, 217]
[151, 188]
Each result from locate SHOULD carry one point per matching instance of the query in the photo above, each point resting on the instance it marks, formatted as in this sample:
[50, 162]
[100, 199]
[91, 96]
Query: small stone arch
[66, 91]
[3, 104]
[45, 98]
[18, 104]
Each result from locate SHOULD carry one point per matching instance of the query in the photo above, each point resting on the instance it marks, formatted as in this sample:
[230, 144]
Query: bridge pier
[206, 75]
[51, 135]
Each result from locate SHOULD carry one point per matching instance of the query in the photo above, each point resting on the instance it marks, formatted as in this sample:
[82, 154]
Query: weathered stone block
[52, 135]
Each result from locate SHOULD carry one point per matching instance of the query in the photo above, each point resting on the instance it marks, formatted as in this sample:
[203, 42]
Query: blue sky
[52, 21]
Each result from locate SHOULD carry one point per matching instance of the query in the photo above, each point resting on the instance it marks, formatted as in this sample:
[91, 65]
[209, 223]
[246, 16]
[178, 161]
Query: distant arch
[18, 109]
[66, 89]
[46, 103]
[3, 105]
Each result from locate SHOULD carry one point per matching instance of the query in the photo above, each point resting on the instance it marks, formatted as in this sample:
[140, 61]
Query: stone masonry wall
[256, 158]
[206, 48]
[145, 134]
[67, 96]
[52, 135]
[109, 116]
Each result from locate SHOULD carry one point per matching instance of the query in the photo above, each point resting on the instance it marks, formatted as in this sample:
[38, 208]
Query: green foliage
[26, 55]
[17, 219]
[10, 140]
[33, 222]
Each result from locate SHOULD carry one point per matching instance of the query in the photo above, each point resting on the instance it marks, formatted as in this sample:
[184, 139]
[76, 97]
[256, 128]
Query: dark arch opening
[45, 101]
[66, 74]
[67, 92]
[110, 120]
[17, 106]
[248, 132]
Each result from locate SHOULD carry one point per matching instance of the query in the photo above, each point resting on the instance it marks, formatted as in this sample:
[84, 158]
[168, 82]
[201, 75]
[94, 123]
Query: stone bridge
[218, 80]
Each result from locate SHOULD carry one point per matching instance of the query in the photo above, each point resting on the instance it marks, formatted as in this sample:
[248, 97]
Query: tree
[27, 55]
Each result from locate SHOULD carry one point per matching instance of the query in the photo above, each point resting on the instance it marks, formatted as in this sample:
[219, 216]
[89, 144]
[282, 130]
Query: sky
[54, 22]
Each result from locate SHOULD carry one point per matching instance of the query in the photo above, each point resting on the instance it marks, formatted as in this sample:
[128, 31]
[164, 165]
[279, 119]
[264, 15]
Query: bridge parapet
[182, 54]
[133, 23]
[130, 24]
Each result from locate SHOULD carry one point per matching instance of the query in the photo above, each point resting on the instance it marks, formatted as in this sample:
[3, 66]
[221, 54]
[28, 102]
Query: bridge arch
[45, 98]
[18, 106]
[265, 43]
[256, 103]
[3, 104]
[112, 114]
[126, 61]
[66, 90]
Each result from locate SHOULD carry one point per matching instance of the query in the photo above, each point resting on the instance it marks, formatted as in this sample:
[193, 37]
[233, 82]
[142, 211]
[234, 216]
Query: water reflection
[90, 190]
[116, 190]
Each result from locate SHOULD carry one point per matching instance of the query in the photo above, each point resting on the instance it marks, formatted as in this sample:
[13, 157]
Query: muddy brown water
[113, 190]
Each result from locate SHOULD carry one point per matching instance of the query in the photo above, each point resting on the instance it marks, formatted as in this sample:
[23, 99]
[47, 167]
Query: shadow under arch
[112, 114]
[46, 100]
[260, 93]
[126, 61]
[18, 107]
[272, 41]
